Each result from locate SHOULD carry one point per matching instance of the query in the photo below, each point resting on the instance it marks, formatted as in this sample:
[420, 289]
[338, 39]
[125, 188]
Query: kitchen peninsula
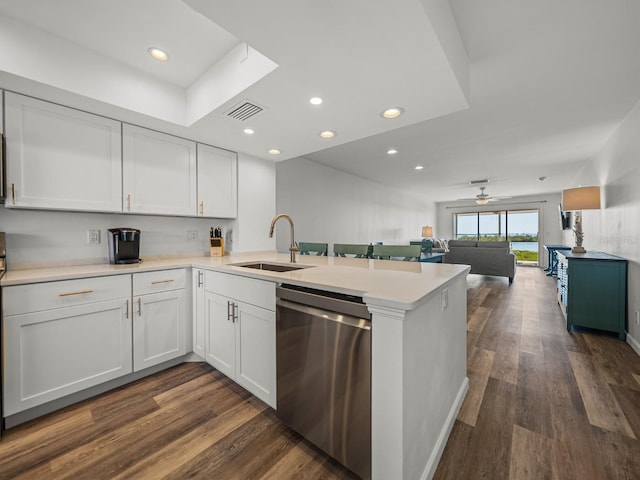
[418, 338]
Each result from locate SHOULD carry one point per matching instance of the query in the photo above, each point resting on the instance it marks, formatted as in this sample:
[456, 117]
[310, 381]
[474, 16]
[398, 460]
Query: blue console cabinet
[592, 290]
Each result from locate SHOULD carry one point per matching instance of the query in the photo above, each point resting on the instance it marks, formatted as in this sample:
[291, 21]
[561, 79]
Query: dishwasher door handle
[361, 323]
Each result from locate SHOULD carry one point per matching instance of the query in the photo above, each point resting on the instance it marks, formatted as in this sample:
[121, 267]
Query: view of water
[528, 246]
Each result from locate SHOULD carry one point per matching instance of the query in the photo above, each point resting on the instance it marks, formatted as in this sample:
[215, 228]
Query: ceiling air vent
[244, 110]
[477, 182]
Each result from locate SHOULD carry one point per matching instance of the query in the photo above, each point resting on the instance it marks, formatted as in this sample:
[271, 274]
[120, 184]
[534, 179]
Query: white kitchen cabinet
[73, 335]
[241, 331]
[159, 317]
[159, 173]
[61, 158]
[217, 182]
[198, 309]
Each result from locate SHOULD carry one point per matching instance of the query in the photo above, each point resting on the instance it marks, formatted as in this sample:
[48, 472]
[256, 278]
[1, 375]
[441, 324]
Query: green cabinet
[592, 290]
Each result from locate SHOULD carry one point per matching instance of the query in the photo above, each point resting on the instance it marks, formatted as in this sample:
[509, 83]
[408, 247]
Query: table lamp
[427, 232]
[578, 199]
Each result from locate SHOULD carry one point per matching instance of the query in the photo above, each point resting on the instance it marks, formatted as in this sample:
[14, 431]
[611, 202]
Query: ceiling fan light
[482, 201]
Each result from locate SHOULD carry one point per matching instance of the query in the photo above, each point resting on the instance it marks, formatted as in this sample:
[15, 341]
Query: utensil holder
[216, 248]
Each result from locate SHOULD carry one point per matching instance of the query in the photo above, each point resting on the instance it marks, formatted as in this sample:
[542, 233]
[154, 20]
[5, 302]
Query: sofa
[485, 258]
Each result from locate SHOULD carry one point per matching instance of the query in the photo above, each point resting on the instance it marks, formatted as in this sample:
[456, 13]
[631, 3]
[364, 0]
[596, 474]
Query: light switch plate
[93, 237]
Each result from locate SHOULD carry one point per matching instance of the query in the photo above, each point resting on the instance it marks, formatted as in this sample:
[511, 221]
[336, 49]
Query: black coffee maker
[124, 245]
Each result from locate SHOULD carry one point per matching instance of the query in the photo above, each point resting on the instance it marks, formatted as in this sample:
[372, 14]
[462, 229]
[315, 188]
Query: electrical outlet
[192, 235]
[444, 299]
[93, 237]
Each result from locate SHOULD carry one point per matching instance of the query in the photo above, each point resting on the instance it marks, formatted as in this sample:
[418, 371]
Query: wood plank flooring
[542, 404]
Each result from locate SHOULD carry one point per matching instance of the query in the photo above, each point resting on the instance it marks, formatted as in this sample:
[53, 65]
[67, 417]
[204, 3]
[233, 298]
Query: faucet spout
[294, 246]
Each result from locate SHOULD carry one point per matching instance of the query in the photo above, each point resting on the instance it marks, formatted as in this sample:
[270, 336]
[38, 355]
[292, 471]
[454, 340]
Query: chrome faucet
[294, 246]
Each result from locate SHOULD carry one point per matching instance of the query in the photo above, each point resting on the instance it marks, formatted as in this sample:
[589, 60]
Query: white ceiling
[509, 90]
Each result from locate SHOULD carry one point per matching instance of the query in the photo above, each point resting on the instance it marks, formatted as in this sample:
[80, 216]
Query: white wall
[615, 228]
[52, 237]
[331, 206]
[256, 204]
[549, 231]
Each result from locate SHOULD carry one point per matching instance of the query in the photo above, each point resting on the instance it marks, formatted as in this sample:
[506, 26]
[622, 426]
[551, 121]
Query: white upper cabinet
[61, 158]
[217, 182]
[159, 173]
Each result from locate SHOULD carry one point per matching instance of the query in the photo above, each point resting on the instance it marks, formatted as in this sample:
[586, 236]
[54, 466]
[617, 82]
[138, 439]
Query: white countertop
[387, 283]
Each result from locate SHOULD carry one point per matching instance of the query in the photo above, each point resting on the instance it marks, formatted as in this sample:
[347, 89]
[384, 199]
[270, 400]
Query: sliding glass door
[518, 227]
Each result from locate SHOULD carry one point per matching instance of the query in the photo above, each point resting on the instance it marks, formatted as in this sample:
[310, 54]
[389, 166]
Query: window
[518, 227]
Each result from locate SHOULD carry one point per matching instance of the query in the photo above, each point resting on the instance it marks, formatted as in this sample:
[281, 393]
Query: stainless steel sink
[272, 267]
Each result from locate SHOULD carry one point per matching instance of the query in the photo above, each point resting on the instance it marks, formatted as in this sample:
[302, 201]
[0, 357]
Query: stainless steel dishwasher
[323, 344]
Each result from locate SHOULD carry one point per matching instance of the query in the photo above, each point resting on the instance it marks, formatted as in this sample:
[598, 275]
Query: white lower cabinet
[159, 317]
[65, 336]
[74, 335]
[241, 331]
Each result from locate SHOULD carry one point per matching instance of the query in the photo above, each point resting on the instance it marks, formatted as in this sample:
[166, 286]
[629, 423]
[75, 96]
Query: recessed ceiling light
[392, 151]
[274, 151]
[249, 131]
[327, 134]
[418, 167]
[158, 54]
[393, 112]
[315, 101]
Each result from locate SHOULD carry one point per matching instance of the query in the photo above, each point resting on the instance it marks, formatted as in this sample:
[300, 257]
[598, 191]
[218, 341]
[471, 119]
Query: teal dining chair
[318, 249]
[356, 249]
[407, 253]
[426, 246]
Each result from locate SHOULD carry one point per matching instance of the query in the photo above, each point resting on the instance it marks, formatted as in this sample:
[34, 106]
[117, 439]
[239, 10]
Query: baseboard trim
[634, 344]
[436, 453]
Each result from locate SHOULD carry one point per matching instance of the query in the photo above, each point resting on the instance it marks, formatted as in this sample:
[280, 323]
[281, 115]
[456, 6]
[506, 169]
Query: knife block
[216, 248]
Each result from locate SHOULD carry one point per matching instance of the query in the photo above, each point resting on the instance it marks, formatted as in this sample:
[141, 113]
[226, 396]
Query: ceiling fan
[483, 198]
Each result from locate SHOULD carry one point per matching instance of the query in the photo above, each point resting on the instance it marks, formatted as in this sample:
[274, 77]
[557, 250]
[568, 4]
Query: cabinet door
[198, 313]
[596, 297]
[256, 351]
[53, 353]
[159, 173]
[61, 158]
[220, 334]
[217, 182]
[159, 328]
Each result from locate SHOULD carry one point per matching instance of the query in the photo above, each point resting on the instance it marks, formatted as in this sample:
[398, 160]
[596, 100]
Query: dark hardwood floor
[542, 403]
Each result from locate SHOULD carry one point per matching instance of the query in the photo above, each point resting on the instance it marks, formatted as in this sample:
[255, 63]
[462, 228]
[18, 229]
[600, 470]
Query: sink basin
[272, 267]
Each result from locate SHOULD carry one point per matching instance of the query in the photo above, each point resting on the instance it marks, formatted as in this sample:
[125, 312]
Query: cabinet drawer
[160, 281]
[37, 297]
[261, 293]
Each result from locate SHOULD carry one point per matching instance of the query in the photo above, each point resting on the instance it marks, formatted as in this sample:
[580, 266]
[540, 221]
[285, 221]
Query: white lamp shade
[427, 231]
[583, 198]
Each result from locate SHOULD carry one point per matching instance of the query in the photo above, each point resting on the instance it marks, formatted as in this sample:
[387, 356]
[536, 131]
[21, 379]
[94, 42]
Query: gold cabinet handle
[156, 282]
[139, 307]
[201, 208]
[79, 292]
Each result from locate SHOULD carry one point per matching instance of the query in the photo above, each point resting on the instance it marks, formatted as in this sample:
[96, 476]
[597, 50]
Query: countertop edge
[373, 296]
